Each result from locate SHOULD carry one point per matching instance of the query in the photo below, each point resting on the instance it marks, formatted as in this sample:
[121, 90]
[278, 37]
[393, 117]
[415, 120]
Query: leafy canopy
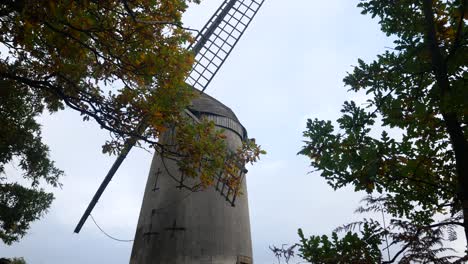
[419, 88]
[350, 249]
[119, 63]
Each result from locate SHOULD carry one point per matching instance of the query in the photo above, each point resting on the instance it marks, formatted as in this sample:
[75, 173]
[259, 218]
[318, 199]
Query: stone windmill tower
[177, 225]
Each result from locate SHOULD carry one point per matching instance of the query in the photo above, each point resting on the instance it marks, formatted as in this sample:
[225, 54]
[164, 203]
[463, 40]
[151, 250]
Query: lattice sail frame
[225, 189]
[218, 37]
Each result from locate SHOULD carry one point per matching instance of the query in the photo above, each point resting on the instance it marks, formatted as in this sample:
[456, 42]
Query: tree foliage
[408, 241]
[119, 63]
[420, 89]
[12, 261]
[352, 248]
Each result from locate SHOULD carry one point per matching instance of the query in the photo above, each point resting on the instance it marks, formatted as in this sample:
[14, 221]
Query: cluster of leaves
[419, 90]
[20, 206]
[201, 152]
[420, 244]
[12, 261]
[407, 171]
[121, 63]
[234, 167]
[351, 248]
[194, 142]
[21, 139]
[417, 243]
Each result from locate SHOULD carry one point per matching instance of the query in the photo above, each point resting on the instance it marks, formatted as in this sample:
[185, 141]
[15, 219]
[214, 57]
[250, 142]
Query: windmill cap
[207, 104]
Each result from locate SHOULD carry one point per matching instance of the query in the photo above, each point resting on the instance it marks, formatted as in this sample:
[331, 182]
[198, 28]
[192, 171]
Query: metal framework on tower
[218, 37]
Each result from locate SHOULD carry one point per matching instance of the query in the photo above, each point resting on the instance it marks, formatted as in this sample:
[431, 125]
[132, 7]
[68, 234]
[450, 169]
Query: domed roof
[207, 104]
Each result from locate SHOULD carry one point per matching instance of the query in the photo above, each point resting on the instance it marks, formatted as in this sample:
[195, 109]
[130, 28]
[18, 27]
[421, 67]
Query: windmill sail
[225, 189]
[216, 40]
[211, 48]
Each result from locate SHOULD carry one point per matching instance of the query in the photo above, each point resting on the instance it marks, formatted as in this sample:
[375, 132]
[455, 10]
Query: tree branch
[135, 19]
[44, 85]
[418, 231]
[457, 137]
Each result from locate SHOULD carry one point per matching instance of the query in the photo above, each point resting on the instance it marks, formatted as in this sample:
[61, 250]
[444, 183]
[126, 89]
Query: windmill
[177, 225]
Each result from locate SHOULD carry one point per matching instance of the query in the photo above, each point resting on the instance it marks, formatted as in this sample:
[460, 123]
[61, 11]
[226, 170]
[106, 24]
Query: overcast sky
[288, 67]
